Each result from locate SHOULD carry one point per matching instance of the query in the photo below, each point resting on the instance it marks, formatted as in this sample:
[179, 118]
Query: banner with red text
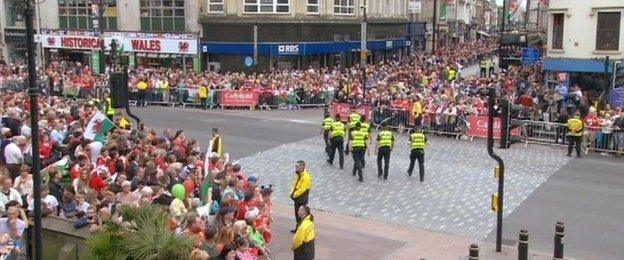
[344, 108]
[127, 44]
[234, 98]
[479, 127]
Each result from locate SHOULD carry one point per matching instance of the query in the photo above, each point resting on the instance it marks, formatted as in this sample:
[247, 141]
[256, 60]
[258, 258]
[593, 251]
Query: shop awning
[484, 33]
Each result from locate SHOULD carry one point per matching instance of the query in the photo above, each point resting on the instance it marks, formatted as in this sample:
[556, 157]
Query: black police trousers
[337, 143]
[358, 158]
[383, 153]
[420, 155]
[574, 141]
[327, 141]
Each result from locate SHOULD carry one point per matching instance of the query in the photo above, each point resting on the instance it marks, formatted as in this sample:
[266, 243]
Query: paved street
[453, 202]
[587, 195]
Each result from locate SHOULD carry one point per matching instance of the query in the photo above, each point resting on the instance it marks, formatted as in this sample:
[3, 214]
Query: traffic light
[118, 85]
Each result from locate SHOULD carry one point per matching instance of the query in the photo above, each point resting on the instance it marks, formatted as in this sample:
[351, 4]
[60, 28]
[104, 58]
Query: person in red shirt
[98, 179]
[245, 205]
[103, 158]
[45, 147]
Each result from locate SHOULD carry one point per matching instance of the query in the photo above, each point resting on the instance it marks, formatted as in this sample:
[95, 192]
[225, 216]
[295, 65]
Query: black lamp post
[34, 125]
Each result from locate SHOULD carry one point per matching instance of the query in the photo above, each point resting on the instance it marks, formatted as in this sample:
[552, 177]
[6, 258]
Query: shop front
[15, 40]
[239, 56]
[134, 49]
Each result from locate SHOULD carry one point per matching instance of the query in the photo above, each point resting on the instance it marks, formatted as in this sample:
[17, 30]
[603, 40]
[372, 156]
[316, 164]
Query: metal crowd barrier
[399, 120]
[188, 98]
[595, 139]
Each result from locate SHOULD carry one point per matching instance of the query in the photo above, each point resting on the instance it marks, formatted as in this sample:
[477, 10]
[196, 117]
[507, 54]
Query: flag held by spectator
[97, 127]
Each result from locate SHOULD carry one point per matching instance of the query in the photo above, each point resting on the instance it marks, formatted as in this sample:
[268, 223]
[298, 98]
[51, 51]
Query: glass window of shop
[162, 15]
[14, 13]
[78, 14]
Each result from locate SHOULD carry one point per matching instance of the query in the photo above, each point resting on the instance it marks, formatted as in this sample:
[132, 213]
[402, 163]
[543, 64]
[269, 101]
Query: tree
[143, 234]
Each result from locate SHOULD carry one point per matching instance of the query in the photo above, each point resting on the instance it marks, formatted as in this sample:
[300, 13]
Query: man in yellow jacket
[575, 133]
[303, 241]
[300, 189]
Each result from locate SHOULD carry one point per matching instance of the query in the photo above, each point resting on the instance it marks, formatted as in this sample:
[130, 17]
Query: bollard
[559, 228]
[473, 252]
[523, 245]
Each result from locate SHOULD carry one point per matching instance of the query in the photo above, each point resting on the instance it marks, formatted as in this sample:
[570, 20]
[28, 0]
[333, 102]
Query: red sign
[145, 45]
[81, 42]
[232, 98]
[344, 108]
[479, 127]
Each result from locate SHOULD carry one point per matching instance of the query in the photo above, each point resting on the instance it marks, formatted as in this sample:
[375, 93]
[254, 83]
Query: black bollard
[559, 228]
[473, 252]
[523, 245]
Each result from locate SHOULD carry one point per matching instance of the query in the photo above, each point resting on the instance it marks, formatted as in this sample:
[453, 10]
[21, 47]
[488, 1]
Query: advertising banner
[344, 108]
[126, 43]
[233, 98]
[479, 126]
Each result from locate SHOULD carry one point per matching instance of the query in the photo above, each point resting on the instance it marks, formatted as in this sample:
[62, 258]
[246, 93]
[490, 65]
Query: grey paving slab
[454, 199]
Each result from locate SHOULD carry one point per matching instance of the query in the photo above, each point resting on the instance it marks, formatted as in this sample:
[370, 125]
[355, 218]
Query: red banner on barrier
[479, 127]
[343, 110]
[232, 98]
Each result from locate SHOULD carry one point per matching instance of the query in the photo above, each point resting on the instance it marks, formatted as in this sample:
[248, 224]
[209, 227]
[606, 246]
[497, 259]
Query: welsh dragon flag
[97, 127]
[514, 12]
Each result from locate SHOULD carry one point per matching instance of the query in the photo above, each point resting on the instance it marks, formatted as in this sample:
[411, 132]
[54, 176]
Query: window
[313, 6]
[557, 34]
[215, 6]
[164, 15]
[83, 15]
[608, 32]
[344, 7]
[14, 14]
[266, 6]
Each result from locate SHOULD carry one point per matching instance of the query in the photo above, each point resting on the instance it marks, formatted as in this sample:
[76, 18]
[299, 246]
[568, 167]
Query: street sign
[530, 56]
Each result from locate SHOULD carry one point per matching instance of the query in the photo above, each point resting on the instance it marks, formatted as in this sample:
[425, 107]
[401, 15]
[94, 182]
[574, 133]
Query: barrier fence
[596, 139]
[233, 98]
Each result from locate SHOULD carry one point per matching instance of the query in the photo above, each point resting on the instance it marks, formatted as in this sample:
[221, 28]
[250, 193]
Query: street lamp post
[363, 47]
[34, 125]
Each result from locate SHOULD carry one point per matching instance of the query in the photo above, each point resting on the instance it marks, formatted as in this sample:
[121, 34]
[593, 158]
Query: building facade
[581, 35]
[71, 30]
[299, 33]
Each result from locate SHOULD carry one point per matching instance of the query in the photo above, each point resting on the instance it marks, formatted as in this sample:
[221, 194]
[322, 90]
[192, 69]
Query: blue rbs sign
[288, 49]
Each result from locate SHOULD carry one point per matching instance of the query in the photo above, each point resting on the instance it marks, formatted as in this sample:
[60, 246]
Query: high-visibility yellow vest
[385, 138]
[141, 85]
[484, 63]
[110, 110]
[354, 118]
[359, 139]
[575, 126]
[418, 141]
[338, 129]
[365, 127]
[452, 73]
[327, 123]
[202, 92]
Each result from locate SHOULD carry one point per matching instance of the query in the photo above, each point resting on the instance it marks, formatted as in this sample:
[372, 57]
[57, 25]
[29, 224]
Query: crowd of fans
[88, 181]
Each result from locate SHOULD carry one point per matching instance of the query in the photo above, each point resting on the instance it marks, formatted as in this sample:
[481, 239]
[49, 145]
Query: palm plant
[143, 235]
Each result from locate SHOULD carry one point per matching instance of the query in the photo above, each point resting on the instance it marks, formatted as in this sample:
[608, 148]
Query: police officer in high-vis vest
[490, 65]
[337, 141]
[365, 127]
[326, 129]
[575, 133]
[385, 143]
[418, 141]
[109, 110]
[483, 64]
[358, 147]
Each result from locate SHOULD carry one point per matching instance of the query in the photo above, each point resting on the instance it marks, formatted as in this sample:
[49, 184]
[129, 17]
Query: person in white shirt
[81, 204]
[49, 201]
[14, 155]
[8, 193]
[24, 182]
